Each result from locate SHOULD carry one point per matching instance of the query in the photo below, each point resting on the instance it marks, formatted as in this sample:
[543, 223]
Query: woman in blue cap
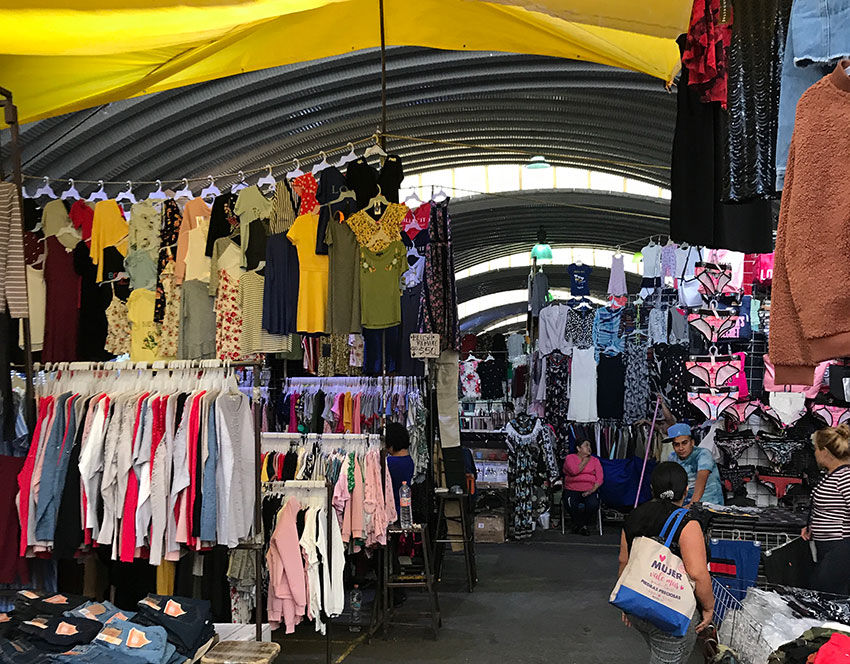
[703, 478]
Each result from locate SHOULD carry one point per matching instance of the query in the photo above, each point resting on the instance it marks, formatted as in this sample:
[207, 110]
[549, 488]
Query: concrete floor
[545, 600]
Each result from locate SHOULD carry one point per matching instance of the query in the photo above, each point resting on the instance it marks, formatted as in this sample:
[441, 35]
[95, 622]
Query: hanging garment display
[531, 466]
[313, 275]
[438, 307]
[636, 402]
[697, 215]
[807, 322]
[583, 386]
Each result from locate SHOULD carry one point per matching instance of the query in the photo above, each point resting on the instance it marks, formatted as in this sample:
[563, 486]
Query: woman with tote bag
[684, 538]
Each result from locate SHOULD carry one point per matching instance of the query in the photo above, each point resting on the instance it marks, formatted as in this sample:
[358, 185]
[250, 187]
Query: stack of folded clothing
[188, 622]
[55, 628]
[103, 612]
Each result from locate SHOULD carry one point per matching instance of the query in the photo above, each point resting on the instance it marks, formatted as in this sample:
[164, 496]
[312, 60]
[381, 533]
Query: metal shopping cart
[736, 628]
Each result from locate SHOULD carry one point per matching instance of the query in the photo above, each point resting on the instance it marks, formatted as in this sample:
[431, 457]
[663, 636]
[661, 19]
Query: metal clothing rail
[296, 486]
[201, 365]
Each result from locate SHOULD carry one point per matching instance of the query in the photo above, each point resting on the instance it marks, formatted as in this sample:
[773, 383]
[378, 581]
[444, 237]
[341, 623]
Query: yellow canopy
[58, 56]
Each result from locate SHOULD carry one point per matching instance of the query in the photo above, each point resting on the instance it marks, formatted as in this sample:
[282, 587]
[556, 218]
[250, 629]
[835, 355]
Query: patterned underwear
[716, 371]
[712, 324]
[734, 447]
[736, 477]
[740, 412]
[714, 279]
[779, 451]
[832, 415]
[712, 404]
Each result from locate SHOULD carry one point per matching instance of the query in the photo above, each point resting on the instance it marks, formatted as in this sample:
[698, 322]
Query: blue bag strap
[673, 522]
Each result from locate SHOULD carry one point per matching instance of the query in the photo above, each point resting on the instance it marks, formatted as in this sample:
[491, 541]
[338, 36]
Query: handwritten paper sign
[425, 345]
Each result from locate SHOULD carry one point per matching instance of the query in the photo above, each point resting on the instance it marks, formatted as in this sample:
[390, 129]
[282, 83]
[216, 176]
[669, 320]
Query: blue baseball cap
[678, 429]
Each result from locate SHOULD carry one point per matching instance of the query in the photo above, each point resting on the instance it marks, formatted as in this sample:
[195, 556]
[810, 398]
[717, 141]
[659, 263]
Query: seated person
[582, 478]
[703, 477]
[399, 462]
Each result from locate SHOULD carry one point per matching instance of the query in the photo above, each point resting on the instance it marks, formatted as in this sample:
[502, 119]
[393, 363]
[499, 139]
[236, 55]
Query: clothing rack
[257, 412]
[294, 487]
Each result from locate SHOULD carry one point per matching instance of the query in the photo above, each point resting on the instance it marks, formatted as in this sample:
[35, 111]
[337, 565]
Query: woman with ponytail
[669, 485]
[829, 519]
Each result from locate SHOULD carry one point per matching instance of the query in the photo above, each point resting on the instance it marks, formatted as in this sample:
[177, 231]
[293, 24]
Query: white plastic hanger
[267, 180]
[296, 172]
[344, 193]
[578, 262]
[239, 185]
[24, 192]
[322, 165]
[442, 195]
[210, 191]
[159, 193]
[70, 192]
[375, 150]
[45, 190]
[185, 192]
[126, 195]
[413, 197]
[347, 158]
[99, 195]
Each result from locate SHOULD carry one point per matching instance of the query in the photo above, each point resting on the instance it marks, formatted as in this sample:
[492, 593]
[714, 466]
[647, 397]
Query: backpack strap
[673, 522]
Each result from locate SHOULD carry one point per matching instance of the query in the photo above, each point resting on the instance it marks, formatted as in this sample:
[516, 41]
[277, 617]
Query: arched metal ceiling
[516, 278]
[479, 321]
[575, 113]
[493, 226]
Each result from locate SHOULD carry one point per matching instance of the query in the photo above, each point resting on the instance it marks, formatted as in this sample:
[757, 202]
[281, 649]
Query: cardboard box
[490, 527]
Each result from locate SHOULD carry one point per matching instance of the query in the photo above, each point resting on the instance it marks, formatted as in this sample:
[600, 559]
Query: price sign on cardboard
[425, 345]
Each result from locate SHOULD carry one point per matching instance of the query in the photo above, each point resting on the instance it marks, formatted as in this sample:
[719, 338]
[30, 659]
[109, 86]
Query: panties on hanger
[736, 477]
[770, 413]
[712, 403]
[734, 445]
[832, 415]
[778, 483]
[714, 370]
[790, 407]
[741, 411]
[714, 279]
[779, 450]
[713, 324]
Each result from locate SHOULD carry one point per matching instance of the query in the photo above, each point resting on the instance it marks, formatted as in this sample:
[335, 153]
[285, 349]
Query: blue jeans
[582, 509]
[818, 36]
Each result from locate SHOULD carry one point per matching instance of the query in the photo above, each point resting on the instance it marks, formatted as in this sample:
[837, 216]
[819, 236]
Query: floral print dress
[470, 382]
[118, 327]
[169, 231]
[228, 314]
[170, 325]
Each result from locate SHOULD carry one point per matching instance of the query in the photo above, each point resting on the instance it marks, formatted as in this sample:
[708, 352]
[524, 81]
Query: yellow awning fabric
[58, 56]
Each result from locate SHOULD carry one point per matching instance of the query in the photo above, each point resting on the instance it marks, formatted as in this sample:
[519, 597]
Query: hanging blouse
[580, 327]
[306, 187]
[470, 382]
[168, 236]
[283, 211]
[109, 230]
[82, 216]
[223, 220]
[192, 261]
[377, 235]
[251, 206]
[144, 227]
[416, 221]
[56, 222]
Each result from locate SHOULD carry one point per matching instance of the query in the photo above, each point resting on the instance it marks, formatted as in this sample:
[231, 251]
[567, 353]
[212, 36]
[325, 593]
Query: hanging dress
[438, 306]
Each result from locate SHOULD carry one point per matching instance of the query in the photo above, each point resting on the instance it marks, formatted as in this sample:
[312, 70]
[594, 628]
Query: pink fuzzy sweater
[810, 309]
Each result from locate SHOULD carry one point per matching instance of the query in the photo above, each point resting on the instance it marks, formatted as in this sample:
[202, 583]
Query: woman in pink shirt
[582, 478]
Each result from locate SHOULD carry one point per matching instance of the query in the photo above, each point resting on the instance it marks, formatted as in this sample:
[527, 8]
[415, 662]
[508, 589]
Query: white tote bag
[655, 586]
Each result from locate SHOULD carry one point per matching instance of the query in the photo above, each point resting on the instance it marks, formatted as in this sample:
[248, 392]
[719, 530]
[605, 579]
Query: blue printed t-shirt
[579, 284]
[401, 470]
[701, 459]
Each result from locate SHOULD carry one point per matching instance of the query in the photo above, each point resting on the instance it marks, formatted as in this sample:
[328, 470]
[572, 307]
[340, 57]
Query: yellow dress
[312, 273]
[144, 332]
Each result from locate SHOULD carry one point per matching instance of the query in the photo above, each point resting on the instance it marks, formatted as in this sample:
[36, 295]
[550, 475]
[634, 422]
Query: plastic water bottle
[356, 602]
[406, 516]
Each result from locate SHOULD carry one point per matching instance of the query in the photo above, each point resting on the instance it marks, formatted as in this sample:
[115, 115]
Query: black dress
[491, 375]
[223, 220]
[331, 182]
[697, 214]
[755, 69]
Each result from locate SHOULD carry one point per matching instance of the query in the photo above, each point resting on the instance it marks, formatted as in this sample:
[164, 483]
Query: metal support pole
[11, 118]
[383, 77]
[258, 498]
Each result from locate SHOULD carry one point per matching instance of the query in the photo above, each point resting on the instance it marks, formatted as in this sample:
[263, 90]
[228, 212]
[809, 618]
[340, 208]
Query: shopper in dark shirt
[399, 462]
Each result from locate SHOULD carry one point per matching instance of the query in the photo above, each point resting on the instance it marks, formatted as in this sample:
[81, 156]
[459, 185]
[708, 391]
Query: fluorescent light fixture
[537, 162]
